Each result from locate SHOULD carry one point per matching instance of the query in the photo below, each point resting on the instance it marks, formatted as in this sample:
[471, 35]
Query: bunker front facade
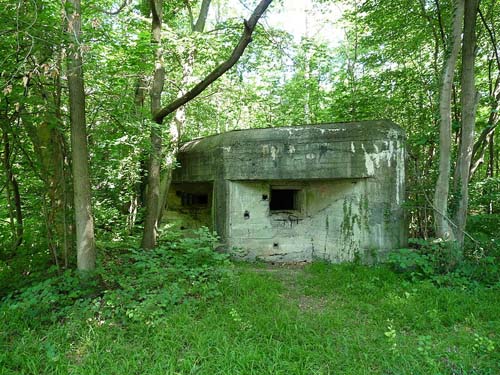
[331, 191]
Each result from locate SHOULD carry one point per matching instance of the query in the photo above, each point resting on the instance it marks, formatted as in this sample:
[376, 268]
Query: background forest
[97, 97]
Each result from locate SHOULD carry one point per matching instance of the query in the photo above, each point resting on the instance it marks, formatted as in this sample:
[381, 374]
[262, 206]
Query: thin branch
[440, 21]
[112, 12]
[190, 13]
[115, 12]
[202, 17]
[492, 38]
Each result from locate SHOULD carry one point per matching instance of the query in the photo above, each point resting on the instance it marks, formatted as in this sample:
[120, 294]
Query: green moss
[364, 212]
[350, 220]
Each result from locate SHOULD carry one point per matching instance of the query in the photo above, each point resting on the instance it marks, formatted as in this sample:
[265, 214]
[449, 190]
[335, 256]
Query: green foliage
[149, 283]
[427, 258]
[442, 263]
[484, 229]
[132, 284]
[53, 297]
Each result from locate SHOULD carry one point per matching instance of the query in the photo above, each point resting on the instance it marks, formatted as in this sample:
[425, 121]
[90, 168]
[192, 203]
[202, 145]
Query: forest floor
[312, 319]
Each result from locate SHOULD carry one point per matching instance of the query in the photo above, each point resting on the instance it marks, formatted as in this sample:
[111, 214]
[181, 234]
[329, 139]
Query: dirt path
[294, 277]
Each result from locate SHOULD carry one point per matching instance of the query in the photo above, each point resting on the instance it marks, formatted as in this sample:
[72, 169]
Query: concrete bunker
[329, 191]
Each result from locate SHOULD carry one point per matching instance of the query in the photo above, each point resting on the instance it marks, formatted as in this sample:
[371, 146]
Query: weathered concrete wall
[317, 230]
[338, 221]
[349, 180]
[303, 152]
[190, 215]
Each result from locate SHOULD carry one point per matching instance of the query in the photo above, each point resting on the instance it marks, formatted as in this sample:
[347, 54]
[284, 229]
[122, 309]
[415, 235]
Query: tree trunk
[136, 196]
[84, 222]
[179, 120]
[443, 228]
[153, 189]
[469, 99]
[202, 18]
[176, 128]
[13, 195]
[491, 169]
[164, 189]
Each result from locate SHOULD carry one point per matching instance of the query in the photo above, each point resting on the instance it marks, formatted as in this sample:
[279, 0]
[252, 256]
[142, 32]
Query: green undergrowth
[443, 263]
[129, 284]
[254, 319]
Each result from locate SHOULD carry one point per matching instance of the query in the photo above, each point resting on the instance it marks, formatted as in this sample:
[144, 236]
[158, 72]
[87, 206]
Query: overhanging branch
[244, 41]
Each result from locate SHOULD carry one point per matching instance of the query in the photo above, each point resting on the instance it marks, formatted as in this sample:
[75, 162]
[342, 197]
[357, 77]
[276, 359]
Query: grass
[320, 319]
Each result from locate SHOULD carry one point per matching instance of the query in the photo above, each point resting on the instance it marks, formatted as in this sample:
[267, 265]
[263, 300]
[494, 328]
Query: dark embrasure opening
[283, 199]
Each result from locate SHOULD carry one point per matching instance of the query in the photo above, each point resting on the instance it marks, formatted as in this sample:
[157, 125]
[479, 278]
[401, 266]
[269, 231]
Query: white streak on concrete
[274, 152]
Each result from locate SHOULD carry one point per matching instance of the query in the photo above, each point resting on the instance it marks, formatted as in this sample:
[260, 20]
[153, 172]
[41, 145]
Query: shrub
[132, 284]
[426, 258]
[484, 230]
[145, 285]
[442, 263]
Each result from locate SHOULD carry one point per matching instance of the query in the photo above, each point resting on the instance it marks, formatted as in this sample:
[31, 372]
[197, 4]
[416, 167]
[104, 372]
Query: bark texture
[153, 189]
[442, 223]
[469, 99]
[84, 222]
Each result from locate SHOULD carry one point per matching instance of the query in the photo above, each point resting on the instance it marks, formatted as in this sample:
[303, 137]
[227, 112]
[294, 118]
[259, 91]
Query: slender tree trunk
[491, 168]
[469, 100]
[84, 222]
[176, 128]
[153, 192]
[13, 195]
[49, 145]
[19, 212]
[484, 138]
[62, 176]
[164, 189]
[179, 120]
[153, 189]
[443, 228]
[202, 18]
[136, 196]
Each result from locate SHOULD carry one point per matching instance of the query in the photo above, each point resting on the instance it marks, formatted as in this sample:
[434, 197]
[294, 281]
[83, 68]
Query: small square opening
[188, 199]
[284, 199]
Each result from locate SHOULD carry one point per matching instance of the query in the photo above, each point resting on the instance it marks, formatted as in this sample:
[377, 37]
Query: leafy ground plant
[131, 284]
[441, 263]
[145, 285]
